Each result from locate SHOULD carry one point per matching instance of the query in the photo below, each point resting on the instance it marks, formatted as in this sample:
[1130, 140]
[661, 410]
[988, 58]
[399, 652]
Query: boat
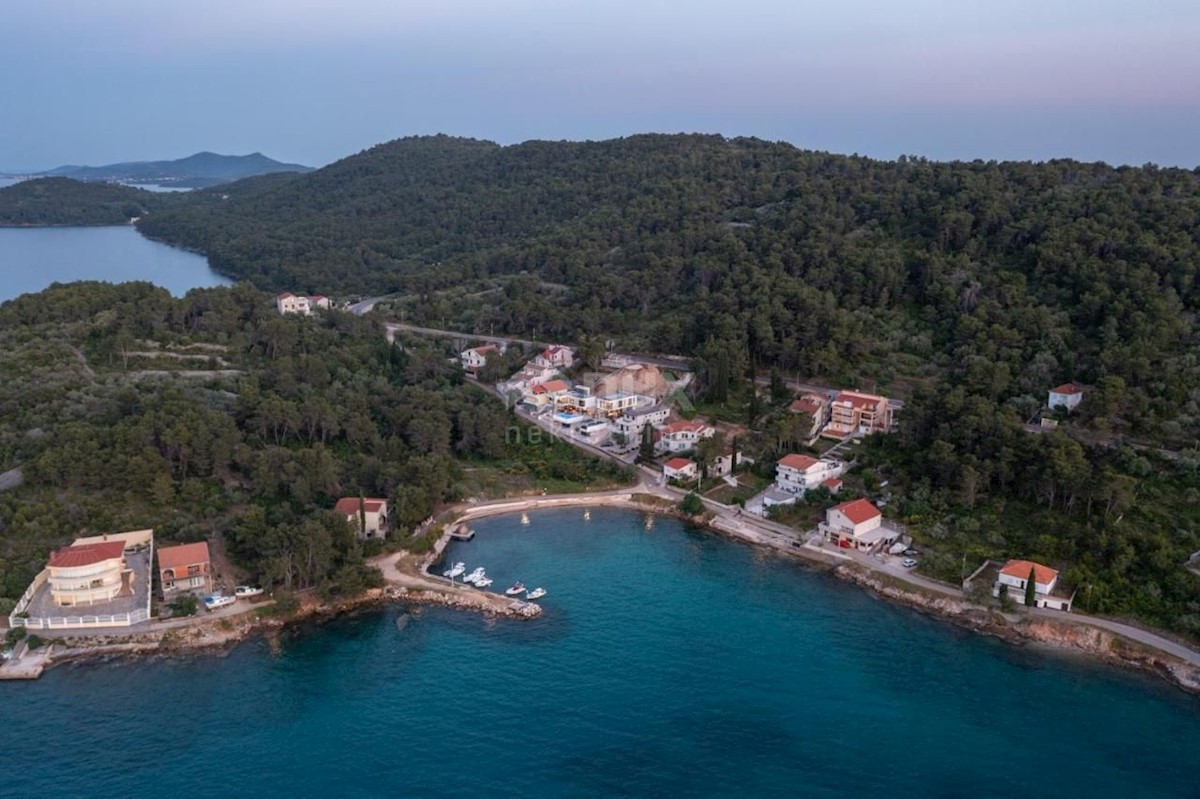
[455, 570]
[536, 593]
[475, 576]
[587, 515]
[214, 601]
[524, 518]
[483, 582]
[244, 591]
[518, 588]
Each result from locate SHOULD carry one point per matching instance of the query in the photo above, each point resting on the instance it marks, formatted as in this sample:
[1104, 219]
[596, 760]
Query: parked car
[908, 563]
[910, 552]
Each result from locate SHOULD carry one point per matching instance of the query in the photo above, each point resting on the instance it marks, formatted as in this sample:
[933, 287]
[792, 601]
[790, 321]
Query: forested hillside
[62, 201]
[211, 416]
[968, 289]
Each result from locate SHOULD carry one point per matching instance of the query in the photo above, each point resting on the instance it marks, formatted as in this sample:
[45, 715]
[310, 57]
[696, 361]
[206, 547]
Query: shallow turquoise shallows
[668, 663]
[33, 258]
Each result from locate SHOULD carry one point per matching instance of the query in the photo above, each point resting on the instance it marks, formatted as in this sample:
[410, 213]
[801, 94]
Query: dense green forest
[211, 416]
[62, 201]
[966, 288]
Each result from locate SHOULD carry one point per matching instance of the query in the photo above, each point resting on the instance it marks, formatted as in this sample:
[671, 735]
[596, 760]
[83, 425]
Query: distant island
[195, 171]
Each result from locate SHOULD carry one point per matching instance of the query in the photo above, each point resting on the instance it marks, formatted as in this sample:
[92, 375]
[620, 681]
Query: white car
[908, 563]
[243, 591]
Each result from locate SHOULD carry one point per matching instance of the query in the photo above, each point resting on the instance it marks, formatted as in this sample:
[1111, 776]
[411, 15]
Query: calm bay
[668, 662]
[33, 258]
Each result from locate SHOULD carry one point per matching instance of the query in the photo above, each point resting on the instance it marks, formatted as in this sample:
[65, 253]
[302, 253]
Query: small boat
[214, 601]
[518, 588]
[455, 570]
[475, 576]
[536, 593]
[587, 515]
[483, 582]
[244, 591]
[524, 518]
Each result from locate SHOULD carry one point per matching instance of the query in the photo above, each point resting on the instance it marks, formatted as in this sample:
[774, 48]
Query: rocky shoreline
[1020, 629]
[219, 636]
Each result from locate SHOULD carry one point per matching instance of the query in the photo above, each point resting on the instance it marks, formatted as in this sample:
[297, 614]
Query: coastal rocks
[1019, 628]
[488, 604]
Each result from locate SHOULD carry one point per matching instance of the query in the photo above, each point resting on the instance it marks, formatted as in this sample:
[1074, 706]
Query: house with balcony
[682, 436]
[852, 413]
[1015, 575]
[369, 515]
[543, 395]
[797, 473]
[631, 422]
[817, 408]
[476, 358]
[1068, 396]
[89, 574]
[186, 568]
[614, 405]
[530, 375]
[579, 400]
[857, 524]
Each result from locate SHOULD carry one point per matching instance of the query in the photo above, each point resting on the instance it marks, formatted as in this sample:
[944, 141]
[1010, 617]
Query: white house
[680, 469]
[1068, 395]
[543, 395]
[476, 358]
[374, 521]
[631, 422]
[817, 407]
[594, 429]
[530, 375]
[682, 436]
[723, 464]
[556, 356]
[798, 473]
[857, 524]
[613, 405]
[577, 400]
[1014, 576]
[287, 302]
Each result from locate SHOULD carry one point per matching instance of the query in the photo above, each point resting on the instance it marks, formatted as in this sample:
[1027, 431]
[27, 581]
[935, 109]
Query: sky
[99, 81]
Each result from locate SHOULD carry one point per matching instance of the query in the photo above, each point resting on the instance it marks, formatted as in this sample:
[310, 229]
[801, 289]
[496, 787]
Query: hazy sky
[96, 81]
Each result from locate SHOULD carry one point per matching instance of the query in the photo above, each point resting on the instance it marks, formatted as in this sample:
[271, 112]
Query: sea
[33, 258]
[668, 662]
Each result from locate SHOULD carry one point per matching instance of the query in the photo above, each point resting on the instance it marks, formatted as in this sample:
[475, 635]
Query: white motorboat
[455, 570]
[536, 593]
[483, 582]
[244, 591]
[524, 518]
[214, 601]
[587, 515]
[518, 588]
[475, 576]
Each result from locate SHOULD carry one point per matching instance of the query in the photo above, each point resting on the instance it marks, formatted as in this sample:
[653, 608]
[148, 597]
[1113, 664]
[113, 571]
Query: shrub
[692, 505]
[34, 642]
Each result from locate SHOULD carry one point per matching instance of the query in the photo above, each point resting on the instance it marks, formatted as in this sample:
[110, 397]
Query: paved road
[365, 306]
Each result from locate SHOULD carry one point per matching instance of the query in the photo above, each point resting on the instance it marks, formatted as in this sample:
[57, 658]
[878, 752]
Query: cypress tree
[1031, 588]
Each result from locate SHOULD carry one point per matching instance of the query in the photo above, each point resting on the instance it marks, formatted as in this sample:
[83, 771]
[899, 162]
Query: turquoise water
[33, 258]
[668, 663]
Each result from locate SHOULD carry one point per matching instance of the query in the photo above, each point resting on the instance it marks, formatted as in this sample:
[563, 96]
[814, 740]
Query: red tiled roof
[484, 348]
[555, 385]
[284, 295]
[1066, 388]
[86, 554]
[859, 400]
[858, 511]
[678, 463]
[832, 482]
[349, 505]
[810, 404]
[799, 462]
[183, 555]
[1021, 568]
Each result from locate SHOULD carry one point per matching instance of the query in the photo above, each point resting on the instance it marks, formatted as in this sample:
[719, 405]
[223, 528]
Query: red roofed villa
[680, 469]
[682, 436]
[853, 413]
[1014, 578]
[796, 473]
[815, 406]
[88, 574]
[857, 524]
[185, 568]
[374, 520]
